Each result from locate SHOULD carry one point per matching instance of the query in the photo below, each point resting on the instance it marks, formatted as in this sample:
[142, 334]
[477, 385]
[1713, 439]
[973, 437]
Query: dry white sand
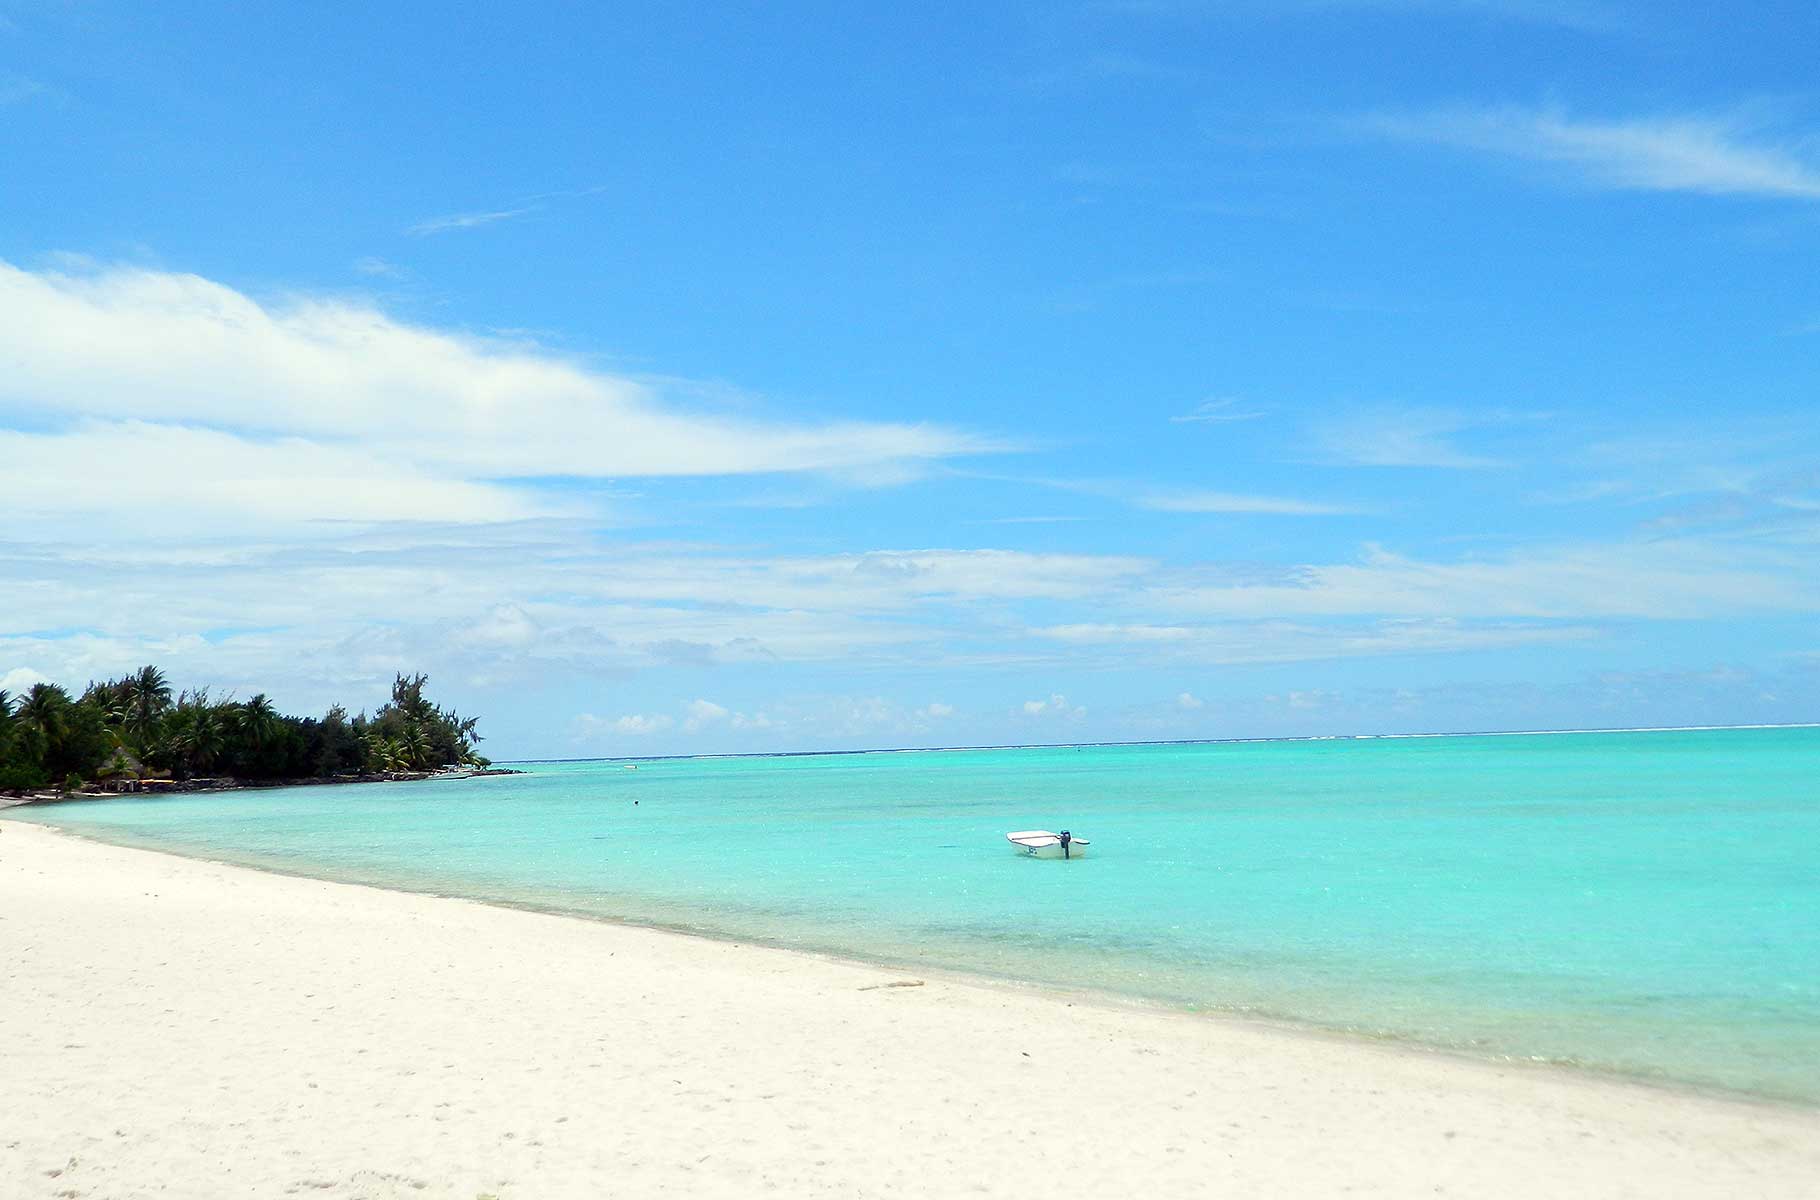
[177, 1028]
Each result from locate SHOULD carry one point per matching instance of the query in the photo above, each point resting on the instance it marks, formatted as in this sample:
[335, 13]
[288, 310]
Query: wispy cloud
[1219, 412]
[1266, 641]
[17, 89]
[545, 601]
[1402, 437]
[1665, 153]
[1737, 472]
[1564, 14]
[1668, 579]
[456, 222]
[379, 268]
[1174, 499]
[1027, 521]
[1230, 502]
[1099, 67]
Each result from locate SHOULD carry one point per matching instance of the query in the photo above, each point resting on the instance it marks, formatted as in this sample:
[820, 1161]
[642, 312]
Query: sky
[672, 379]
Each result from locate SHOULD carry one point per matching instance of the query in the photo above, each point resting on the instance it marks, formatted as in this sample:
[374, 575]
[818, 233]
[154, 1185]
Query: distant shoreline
[1234, 741]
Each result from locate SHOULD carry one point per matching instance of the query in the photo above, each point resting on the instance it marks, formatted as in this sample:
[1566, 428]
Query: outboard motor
[1067, 840]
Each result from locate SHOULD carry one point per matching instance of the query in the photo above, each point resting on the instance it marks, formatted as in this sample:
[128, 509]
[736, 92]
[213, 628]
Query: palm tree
[199, 737]
[42, 719]
[116, 710]
[258, 721]
[42, 711]
[384, 754]
[415, 745]
[147, 696]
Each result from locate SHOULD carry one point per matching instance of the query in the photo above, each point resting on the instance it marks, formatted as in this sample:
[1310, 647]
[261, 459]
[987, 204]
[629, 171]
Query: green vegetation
[135, 727]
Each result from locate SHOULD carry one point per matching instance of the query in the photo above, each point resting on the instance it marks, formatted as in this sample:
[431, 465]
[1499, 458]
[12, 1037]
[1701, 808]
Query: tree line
[137, 725]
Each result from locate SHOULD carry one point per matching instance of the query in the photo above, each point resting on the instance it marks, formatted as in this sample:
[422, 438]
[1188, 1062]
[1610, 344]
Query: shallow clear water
[1646, 902]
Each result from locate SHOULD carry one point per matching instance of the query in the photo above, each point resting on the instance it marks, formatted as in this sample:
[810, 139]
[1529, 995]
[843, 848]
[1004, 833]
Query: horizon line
[1232, 741]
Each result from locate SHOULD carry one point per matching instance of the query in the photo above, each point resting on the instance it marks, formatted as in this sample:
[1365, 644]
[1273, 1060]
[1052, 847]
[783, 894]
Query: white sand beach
[184, 1029]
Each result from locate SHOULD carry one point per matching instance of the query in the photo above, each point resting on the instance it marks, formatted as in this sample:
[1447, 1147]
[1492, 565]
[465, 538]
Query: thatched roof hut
[121, 765]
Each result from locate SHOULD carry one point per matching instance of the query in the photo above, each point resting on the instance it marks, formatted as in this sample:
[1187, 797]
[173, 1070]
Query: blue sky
[704, 378]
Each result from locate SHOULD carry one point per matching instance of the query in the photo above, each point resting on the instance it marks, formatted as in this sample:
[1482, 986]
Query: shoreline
[1165, 1089]
[185, 787]
[1110, 1000]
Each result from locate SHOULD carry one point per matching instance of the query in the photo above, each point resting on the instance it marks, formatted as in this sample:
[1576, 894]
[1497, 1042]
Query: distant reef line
[1147, 742]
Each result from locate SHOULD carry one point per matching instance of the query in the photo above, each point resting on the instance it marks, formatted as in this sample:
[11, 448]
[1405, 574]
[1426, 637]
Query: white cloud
[1666, 579]
[1402, 437]
[698, 714]
[1163, 499]
[505, 625]
[336, 411]
[1661, 153]
[1565, 14]
[455, 222]
[538, 601]
[1270, 641]
[1228, 502]
[551, 573]
[1568, 14]
[588, 727]
[1188, 702]
[148, 478]
[17, 89]
[1055, 706]
[866, 713]
[1219, 412]
[1028, 521]
[19, 680]
[937, 710]
[1106, 632]
[379, 268]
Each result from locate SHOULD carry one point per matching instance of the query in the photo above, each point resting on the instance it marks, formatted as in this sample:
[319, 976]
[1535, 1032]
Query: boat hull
[1040, 843]
[1076, 849]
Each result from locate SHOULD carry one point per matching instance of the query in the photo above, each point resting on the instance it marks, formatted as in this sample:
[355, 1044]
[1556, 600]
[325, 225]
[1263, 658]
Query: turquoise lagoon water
[1646, 903]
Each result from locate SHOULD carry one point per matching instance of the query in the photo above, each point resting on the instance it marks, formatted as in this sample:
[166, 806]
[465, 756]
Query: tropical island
[136, 734]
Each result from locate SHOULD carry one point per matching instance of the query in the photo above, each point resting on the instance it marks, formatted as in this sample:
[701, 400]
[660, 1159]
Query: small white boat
[1040, 843]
